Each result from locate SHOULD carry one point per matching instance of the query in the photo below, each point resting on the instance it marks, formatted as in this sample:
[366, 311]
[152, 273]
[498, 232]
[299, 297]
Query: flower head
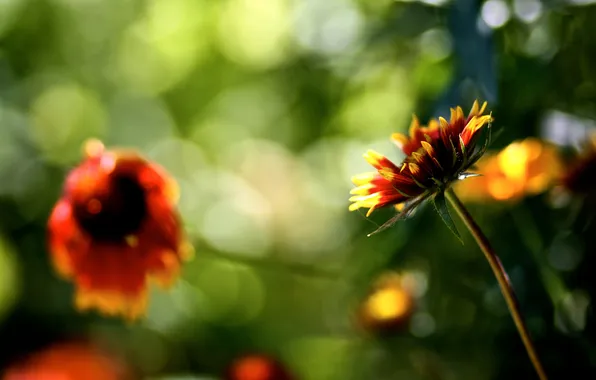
[69, 361]
[580, 177]
[390, 304]
[114, 227]
[257, 367]
[524, 167]
[577, 182]
[436, 155]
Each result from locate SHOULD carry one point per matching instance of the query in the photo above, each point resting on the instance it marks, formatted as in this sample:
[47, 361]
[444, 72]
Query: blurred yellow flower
[389, 305]
[525, 167]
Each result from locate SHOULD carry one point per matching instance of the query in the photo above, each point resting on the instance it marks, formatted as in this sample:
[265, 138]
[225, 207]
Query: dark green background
[262, 110]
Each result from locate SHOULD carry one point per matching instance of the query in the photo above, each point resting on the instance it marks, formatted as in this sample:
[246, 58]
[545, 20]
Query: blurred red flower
[69, 361]
[257, 367]
[580, 175]
[115, 227]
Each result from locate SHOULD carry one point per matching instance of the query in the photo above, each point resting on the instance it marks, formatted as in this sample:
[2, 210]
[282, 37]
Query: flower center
[115, 213]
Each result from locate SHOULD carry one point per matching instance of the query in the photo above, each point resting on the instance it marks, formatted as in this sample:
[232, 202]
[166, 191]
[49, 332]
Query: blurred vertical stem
[530, 235]
[502, 278]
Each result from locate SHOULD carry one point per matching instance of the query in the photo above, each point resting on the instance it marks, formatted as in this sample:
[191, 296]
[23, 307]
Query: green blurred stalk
[502, 279]
[555, 287]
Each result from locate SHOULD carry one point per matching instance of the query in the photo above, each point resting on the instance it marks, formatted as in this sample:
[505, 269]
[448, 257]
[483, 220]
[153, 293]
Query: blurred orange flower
[114, 227]
[257, 367]
[389, 305]
[436, 156]
[526, 167]
[69, 361]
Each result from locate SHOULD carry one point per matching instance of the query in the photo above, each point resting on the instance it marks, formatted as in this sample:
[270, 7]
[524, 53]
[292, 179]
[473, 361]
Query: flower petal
[363, 178]
[385, 167]
[400, 140]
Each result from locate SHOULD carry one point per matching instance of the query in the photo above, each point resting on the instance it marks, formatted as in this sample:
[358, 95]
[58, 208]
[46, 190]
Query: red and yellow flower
[257, 367]
[436, 155]
[69, 361]
[115, 227]
[580, 175]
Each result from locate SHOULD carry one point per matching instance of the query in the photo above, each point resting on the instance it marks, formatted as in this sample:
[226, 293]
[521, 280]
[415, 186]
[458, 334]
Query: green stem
[307, 270]
[502, 278]
[530, 235]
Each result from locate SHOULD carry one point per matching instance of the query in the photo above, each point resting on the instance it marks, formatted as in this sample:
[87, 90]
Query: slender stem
[502, 278]
[307, 270]
[555, 287]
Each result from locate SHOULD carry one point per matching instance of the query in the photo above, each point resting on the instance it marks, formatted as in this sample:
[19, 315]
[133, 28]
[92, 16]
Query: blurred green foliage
[261, 110]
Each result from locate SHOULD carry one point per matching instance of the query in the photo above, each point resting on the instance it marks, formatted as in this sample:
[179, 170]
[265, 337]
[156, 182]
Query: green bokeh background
[261, 110]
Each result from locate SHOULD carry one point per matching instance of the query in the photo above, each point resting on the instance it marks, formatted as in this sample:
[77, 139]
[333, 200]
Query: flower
[580, 176]
[436, 156]
[257, 367]
[115, 227]
[576, 184]
[525, 167]
[69, 361]
[390, 304]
